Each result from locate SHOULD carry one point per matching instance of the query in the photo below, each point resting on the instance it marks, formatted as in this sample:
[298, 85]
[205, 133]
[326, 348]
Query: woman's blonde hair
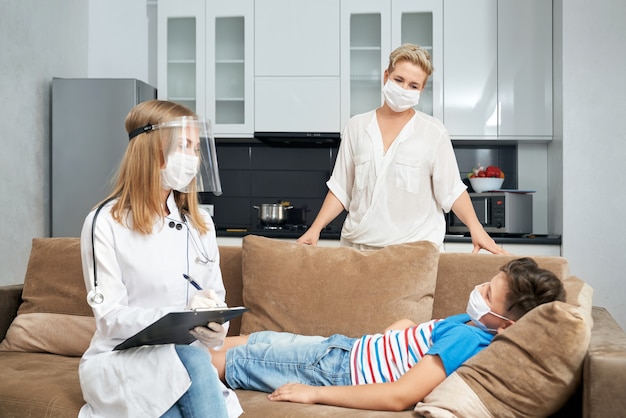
[137, 185]
[412, 53]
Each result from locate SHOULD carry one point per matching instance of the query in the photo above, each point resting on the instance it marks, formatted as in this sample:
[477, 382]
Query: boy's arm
[400, 395]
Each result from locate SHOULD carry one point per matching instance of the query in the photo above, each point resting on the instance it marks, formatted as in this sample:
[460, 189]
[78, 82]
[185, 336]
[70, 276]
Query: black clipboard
[174, 327]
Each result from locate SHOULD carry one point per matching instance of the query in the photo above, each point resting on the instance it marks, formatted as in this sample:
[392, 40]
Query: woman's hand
[310, 237]
[481, 239]
[294, 392]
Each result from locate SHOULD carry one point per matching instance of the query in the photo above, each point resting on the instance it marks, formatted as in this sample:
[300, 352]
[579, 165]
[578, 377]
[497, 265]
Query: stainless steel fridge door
[87, 144]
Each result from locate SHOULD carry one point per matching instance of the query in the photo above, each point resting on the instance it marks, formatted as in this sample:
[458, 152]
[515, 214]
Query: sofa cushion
[314, 290]
[54, 316]
[530, 369]
[39, 385]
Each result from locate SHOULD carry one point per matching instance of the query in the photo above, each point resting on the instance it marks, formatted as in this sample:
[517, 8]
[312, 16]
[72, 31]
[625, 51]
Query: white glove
[205, 299]
[211, 336]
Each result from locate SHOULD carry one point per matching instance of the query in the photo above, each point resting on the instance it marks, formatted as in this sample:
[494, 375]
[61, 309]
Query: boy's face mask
[477, 308]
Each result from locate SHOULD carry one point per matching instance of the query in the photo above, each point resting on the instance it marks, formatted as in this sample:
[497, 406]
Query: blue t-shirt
[454, 341]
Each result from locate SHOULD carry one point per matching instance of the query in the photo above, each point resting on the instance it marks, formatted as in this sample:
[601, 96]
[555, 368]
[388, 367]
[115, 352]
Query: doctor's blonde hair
[137, 185]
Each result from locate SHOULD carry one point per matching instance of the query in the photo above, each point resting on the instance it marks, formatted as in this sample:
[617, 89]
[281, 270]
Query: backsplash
[253, 174]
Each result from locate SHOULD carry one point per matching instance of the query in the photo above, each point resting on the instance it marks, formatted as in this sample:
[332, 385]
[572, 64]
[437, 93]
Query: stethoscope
[95, 297]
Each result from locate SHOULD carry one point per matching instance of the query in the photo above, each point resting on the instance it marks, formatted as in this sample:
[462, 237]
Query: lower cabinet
[516, 249]
[236, 242]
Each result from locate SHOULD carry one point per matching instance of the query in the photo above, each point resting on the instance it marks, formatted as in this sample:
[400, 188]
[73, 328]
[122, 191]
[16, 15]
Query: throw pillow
[531, 369]
[314, 290]
[54, 316]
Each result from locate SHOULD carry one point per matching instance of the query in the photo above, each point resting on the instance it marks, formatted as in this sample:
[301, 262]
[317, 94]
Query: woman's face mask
[399, 99]
[181, 169]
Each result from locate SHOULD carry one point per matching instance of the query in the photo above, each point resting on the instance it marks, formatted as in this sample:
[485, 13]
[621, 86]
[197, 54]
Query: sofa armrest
[604, 369]
[10, 300]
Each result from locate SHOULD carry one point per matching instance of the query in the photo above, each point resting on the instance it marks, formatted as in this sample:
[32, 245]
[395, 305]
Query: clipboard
[174, 327]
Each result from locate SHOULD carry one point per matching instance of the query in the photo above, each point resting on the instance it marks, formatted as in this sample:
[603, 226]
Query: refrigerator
[88, 141]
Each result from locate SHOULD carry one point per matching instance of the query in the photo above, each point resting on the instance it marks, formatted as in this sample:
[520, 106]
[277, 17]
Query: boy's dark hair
[530, 286]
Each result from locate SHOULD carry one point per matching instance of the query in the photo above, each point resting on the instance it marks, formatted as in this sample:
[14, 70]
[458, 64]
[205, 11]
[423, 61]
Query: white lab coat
[141, 279]
[400, 195]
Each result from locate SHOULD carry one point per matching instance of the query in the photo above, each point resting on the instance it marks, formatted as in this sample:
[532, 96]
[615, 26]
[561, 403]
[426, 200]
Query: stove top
[285, 227]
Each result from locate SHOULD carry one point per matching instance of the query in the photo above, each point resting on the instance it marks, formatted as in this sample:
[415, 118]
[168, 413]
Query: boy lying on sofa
[390, 371]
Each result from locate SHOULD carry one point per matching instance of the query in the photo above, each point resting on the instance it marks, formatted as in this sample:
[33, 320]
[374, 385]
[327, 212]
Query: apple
[493, 171]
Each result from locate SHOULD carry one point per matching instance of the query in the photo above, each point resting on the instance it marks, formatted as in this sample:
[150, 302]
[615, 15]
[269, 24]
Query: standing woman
[396, 172]
[135, 248]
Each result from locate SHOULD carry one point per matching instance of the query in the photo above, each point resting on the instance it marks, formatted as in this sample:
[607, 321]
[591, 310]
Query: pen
[192, 281]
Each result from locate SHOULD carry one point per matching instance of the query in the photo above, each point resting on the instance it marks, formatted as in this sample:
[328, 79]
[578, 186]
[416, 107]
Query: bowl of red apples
[486, 179]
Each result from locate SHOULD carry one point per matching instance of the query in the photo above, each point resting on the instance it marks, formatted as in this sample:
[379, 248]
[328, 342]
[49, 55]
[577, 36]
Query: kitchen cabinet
[370, 30]
[296, 75]
[516, 249]
[206, 61]
[498, 75]
[181, 56]
[237, 242]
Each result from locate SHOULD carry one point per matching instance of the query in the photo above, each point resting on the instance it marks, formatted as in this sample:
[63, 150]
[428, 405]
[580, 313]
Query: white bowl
[483, 184]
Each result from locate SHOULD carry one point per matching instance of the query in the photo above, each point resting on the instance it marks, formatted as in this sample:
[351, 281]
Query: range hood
[299, 139]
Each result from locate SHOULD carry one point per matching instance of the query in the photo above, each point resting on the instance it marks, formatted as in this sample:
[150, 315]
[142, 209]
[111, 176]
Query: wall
[38, 40]
[118, 39]
[594, 147]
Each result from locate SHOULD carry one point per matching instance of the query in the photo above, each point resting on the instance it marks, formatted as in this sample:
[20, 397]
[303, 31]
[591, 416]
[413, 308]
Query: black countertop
[533, 239]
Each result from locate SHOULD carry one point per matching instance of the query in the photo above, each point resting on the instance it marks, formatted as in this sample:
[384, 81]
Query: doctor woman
[135, 248]
[396, 172]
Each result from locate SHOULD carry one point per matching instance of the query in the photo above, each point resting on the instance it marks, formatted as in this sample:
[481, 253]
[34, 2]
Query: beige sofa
[565, 359]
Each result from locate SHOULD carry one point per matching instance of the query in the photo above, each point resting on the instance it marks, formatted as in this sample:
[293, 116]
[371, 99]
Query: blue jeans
[271, 359]
[204, 397]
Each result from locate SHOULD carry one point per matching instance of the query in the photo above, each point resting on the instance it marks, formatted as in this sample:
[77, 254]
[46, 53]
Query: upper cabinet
[181, 56]
[525, 68]
[206, 61]
[498, 75]
[370, 30]
[308, 66]
[296, 75]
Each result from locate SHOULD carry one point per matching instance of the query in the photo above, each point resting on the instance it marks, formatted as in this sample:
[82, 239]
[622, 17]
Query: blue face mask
[477, 308]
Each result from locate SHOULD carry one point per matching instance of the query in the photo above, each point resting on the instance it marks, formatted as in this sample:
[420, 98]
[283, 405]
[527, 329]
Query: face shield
[190, 155]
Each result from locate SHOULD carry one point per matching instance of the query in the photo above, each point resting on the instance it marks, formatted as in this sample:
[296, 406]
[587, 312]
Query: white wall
[118, 39]
[594, 147]
[38, 40]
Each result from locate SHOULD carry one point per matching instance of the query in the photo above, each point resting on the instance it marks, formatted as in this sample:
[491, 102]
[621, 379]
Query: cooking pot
[273, 213]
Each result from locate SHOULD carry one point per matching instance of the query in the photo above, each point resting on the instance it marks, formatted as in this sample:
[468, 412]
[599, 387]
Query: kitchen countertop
[532, 239]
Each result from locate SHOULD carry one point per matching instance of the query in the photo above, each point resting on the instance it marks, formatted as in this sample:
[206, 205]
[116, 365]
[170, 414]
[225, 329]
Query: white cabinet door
[498, 69]
[297, 104]
[296, 38]
[230, 67]
[525, 68]
[181, 63]
[297, 85]
[470, 93]
[365, 48]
